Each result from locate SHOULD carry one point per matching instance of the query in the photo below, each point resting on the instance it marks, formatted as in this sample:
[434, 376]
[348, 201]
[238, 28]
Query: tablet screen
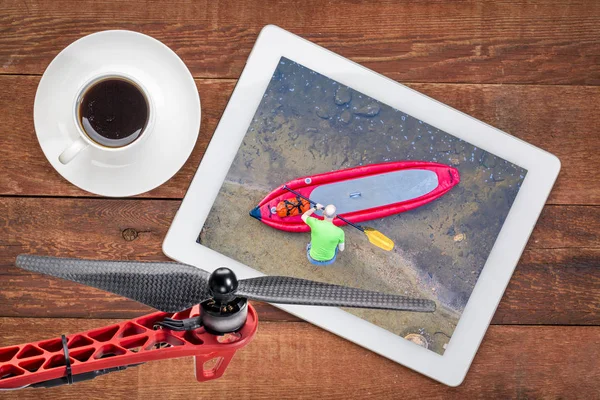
[441, 200]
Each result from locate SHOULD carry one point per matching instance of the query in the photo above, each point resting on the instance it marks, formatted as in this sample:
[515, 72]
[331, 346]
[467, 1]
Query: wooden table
[531, 69]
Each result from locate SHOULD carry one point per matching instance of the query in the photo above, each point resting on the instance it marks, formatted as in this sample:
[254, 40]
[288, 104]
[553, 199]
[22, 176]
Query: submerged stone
[417, 339]
[369, 110]
[322, 113]
[489, 160]
[345, 117]
[343, 95]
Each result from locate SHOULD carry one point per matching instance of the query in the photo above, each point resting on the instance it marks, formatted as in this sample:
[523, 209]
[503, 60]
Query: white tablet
[458, 197]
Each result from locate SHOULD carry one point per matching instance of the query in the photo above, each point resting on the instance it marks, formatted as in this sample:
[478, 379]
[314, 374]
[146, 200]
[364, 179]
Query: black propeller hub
[222, 284]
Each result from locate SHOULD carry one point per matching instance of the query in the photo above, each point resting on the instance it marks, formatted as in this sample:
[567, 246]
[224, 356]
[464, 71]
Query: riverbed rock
[322, 113]
[459, 147]
[417, 339]
[343, 95]
[489, 160]
[460, 237]
[498, 174]
[345, 117]
[368, 110]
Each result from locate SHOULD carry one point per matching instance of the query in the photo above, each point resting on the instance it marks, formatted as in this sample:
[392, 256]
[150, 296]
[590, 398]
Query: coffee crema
[113, 112]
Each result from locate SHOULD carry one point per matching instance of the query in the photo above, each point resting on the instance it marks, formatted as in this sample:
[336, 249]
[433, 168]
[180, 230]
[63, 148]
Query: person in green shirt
[325, 238]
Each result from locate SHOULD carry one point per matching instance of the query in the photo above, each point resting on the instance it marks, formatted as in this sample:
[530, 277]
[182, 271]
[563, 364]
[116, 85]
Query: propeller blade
[287, 290]
[166, 286]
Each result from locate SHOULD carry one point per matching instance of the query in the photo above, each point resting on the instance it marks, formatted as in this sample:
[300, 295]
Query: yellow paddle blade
[379, 239]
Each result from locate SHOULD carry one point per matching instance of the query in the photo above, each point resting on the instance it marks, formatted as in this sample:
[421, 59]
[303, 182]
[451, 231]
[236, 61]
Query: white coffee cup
[87, 139]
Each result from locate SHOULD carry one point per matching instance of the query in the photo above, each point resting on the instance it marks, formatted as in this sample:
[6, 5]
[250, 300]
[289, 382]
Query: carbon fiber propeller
[173, 287]
[287, 290]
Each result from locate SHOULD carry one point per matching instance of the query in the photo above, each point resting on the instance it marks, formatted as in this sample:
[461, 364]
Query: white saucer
[177, 112]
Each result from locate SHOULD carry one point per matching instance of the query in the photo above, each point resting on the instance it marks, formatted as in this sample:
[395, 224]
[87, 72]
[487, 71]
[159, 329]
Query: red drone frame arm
[124, 344]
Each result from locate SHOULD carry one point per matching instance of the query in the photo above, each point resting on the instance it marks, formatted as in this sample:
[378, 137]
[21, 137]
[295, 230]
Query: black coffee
[113, 112]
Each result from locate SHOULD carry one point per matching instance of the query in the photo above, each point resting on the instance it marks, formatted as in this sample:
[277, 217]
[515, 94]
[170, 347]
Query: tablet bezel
[542, 170]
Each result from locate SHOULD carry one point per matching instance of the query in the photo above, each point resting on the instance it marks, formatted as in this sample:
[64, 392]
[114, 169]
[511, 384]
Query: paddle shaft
[360, 228]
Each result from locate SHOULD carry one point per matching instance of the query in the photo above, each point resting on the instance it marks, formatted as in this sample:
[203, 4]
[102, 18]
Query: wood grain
[298, 360]
[530, 68]
[556, 281]
[551, 42]
[559, 119]
[558, 286]
[26, 171]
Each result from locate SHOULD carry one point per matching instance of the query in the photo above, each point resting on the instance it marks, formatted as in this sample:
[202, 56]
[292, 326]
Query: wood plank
[298, 360]
[559, 119]
[551, 42]
[558, 286]
[97, 230]
[556, 281]
[24, 167]
[567, 227]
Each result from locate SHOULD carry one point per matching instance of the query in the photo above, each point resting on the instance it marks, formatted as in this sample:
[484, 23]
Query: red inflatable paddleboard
[362, 193]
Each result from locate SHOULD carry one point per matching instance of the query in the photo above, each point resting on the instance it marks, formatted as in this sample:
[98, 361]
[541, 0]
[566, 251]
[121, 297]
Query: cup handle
[70, 152]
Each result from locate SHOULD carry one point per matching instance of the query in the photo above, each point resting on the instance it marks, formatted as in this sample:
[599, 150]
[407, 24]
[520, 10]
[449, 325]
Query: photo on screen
[441, 200]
